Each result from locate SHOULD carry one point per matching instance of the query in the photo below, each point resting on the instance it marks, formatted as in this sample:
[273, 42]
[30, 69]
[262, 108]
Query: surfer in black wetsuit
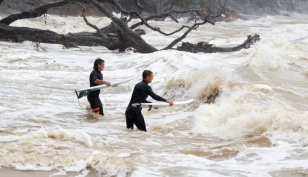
[96, 78]
[140, 93]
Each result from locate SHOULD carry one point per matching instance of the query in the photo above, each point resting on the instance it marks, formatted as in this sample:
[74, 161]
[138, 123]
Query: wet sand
[10, 172]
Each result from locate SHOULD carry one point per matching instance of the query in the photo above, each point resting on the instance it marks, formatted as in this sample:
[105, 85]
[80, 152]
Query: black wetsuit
[93, 96]
[133, 115]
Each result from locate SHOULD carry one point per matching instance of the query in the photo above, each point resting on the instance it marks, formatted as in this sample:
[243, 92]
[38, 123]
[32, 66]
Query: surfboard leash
[78, 100]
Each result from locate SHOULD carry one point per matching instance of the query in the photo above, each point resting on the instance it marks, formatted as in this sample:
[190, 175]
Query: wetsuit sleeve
[93, 77]
[153, 95]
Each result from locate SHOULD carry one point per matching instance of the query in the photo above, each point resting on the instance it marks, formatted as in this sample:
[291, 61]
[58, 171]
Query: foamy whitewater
[257, 126]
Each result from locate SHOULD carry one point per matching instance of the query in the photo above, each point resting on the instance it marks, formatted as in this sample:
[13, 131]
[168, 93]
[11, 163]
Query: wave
[201, 85]
[248, 110]
[266, 94]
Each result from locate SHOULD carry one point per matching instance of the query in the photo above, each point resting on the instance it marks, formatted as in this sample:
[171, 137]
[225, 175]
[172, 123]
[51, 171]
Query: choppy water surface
[256, 127]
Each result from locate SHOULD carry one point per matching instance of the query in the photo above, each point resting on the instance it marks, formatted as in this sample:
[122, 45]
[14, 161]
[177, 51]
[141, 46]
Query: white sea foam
[261, 91]
[59, 133]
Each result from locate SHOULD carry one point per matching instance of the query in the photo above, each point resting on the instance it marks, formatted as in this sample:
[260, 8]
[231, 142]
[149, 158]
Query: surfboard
[84, 92]
[161, 104]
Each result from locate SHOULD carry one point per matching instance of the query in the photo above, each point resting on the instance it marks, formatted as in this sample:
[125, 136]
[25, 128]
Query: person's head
[147, 75]
[99, 64]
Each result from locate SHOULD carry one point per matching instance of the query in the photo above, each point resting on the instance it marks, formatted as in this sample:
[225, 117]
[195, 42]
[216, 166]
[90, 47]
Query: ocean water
[257, 125]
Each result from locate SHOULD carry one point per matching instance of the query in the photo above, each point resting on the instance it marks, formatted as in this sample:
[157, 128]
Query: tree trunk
[129, 36]
[21, 34]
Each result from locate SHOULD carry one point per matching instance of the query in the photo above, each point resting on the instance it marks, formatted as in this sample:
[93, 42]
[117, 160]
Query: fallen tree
[117, 36]
[205, 47]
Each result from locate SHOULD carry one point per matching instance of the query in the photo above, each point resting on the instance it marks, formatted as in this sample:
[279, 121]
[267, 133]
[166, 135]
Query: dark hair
[98, 62]
[146, 73]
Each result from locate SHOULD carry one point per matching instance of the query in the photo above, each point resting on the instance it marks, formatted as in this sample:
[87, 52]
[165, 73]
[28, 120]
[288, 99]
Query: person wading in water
[140, 93]
[96, 78]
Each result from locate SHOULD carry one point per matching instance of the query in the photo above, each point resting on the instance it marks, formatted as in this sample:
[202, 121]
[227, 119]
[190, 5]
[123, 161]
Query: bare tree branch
[138, 4]
[37, 12]
[194, 26]
[136, 14]
[132, 38]
[91, 25]
[144, 21]
[33, 13]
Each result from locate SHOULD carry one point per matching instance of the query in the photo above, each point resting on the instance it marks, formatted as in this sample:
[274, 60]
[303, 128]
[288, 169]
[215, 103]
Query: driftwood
[205, 47]
[116, 36]
[21, 34]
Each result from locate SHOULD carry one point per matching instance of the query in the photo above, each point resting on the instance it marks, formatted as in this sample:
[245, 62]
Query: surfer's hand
[108, 84]
[170, 102]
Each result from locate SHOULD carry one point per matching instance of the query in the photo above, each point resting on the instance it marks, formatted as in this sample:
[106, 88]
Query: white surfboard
[161, 104]
[84, 92]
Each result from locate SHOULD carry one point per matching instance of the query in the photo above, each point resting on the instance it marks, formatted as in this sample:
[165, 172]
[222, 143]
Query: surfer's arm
[154, 96]
[94, 79]
[100, 82]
